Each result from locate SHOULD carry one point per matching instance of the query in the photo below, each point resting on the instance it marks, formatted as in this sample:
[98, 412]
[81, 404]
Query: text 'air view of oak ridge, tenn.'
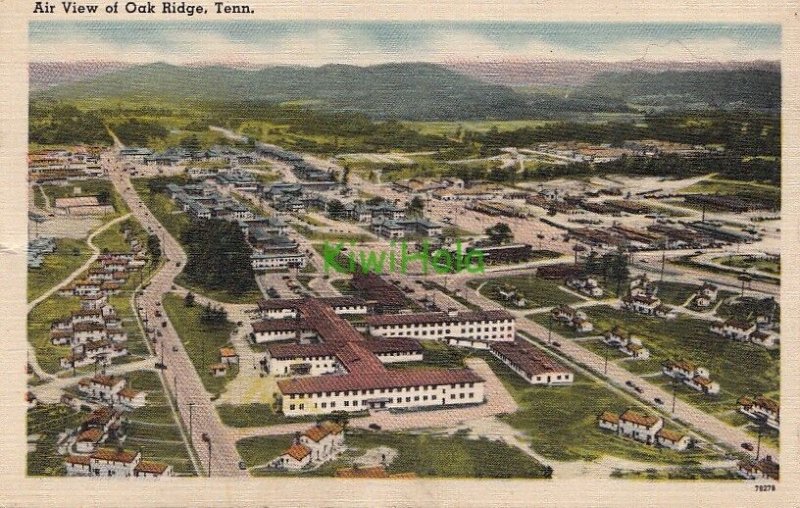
[404, 250]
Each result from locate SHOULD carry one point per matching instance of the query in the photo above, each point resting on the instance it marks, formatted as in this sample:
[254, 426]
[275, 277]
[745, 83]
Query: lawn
[675, 293]
[436, 355]
[740, 368]
[114, 239]
[254, 415]
[537, 292]
[425, 455]
[323, 236]
[39, 321]
[765, 265]
[48, 420]
[561, 422]
[153, 428]
[164, 209]
[219, 295]
[201, 341]
[70, 254]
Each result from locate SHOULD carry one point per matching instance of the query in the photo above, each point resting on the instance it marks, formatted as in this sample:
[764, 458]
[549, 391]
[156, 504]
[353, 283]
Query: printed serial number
[765, 488]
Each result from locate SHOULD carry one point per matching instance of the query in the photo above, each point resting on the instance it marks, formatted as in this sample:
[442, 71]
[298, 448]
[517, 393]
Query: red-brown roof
[77, 459]
[387, 379]
[147, 466]
[298, 451]
[527, 357]
[110, 454]
[639, 418]
[92, 435]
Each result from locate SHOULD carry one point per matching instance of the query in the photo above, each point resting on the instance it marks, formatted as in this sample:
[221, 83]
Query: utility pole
[664, 257]
[674, 388]
[550, 329]
[207, 439]
[760, 430]
[191, 437]
[175, 385]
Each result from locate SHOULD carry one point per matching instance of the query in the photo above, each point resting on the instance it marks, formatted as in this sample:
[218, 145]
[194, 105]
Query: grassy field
[537, 292]
[449, 128]
[423, 454]
[740, 368]
[39, 321]
[48, 420]
[760, 191]
[255, 415]
[70, 254]
[164, 209]
[746, 262]
[219, 295]
[323, 236]
[676, 293]
[561, 422]
[682, 473]
[201, 341]
[153, 428]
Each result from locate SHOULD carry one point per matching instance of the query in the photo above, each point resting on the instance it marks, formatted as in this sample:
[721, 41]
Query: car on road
[748, 446]
[163, 324]
[242, 465]
[174, 349]
[638, 389]
[659, 401]
[374, 426]
[158, 313]
[629, 383]
[557, 344]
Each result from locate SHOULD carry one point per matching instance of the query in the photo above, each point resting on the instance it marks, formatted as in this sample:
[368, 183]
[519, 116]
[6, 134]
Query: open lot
[39, 321]
[426, 455]
[561, 422]
[536, 291]
[201, 340]
[47, 421]
[70, 254]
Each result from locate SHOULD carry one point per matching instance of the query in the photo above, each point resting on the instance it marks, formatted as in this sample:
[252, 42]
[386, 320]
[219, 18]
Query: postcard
[467, 260]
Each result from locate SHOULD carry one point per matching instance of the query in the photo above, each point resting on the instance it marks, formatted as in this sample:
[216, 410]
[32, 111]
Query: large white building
[485, 325]
[347, 371]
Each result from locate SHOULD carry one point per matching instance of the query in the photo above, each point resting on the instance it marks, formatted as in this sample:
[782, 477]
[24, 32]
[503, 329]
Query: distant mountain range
[424, 91]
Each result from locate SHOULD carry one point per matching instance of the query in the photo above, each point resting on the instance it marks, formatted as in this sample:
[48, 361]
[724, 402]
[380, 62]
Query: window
[416, 398]
[452, 395]
[302, 406]
[291, 407]
[460, 395]
[470, 395]
[346, 403]
[424, 397]
[433, 397]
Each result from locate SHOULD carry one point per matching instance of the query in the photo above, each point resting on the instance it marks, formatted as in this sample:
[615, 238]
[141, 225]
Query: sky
[316, 43]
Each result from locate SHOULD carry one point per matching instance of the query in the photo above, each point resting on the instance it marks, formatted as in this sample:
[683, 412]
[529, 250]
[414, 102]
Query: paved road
[205, 420]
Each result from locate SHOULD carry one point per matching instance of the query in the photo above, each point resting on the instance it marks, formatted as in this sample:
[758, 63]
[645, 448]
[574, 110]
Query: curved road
[180, 370]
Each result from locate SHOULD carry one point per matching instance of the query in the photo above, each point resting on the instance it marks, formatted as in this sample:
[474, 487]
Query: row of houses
[63, 165]
[95, 333]
[115, 463]
[745, 331]
[572, 318]
[312, 448]
[626, 343]
[645, 428]
[586, 285]
[692, 375]
[398, 229]
[762, 409]
[111, 390]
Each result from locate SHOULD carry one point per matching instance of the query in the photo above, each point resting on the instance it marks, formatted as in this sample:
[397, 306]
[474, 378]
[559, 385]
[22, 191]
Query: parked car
[557, 344]
[629, 383]
[374, 426]
[659, 401]
[748, 446]
[174, 349]
[638, 389]
[242, 465]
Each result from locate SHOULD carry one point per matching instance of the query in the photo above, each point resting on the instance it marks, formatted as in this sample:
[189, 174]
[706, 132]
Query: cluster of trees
[65, 124]
[500, 234]
[213, 315]
[134, 131]
[218, 256]
[611, 266]
[154, 248]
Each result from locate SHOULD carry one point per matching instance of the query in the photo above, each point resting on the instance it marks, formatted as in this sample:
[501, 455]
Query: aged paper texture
[470, 253]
